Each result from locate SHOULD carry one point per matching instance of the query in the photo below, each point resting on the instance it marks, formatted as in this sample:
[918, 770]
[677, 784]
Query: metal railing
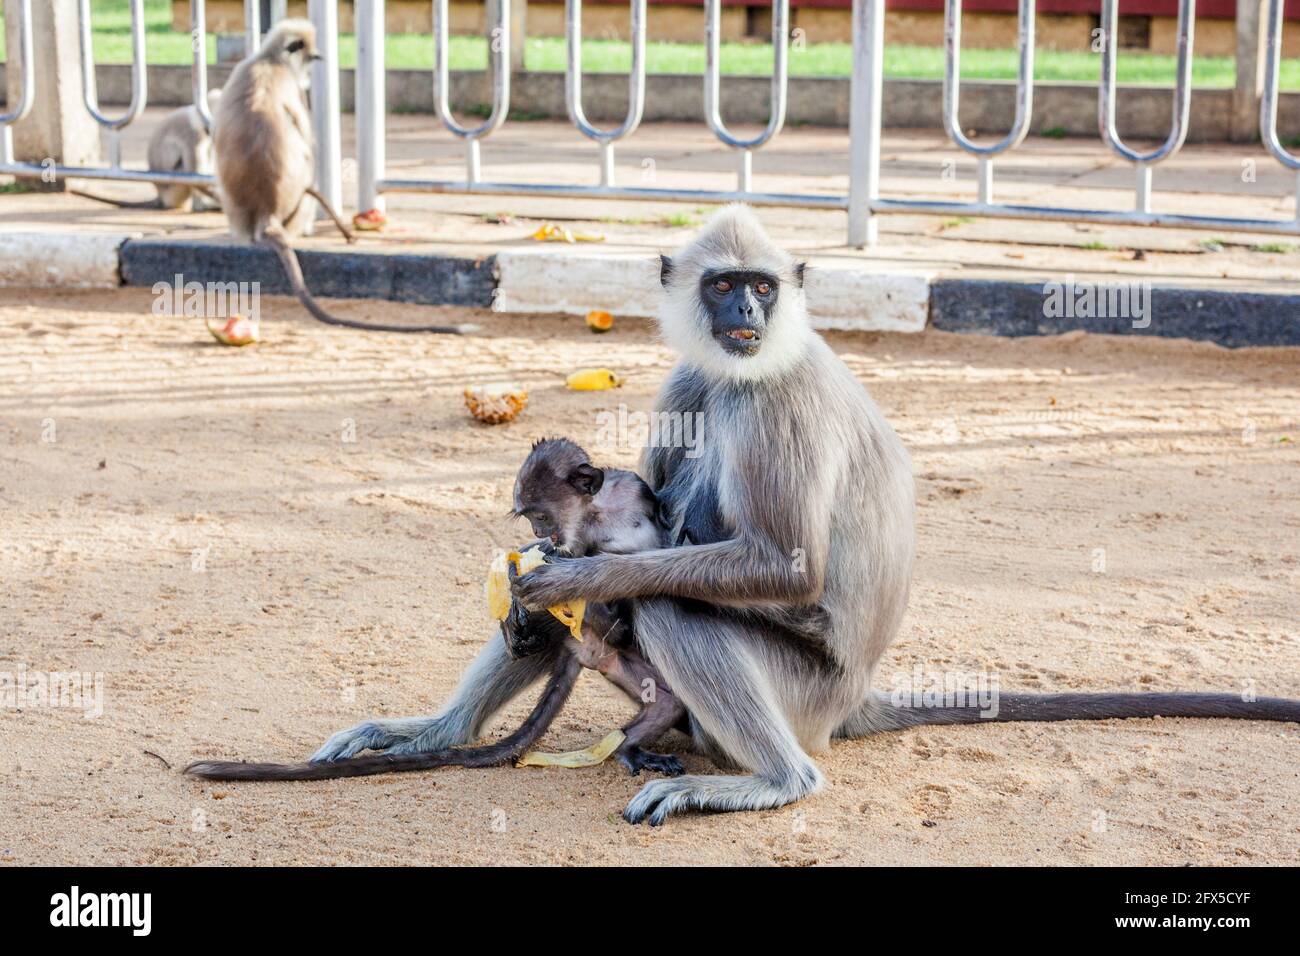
[26, 81]
[863, 202]
[573, 84]
[1268, 105]
[371, 117]
[499, 60]
[712, 79]
[952, 91]
[325, 106]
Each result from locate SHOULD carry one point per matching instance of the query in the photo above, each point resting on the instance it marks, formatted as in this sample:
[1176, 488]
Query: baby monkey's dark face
[583, 509]
[554, 491]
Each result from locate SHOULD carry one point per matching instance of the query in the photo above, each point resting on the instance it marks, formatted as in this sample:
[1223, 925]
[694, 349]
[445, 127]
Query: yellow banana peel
[594, 755]
[498, 589]
[550, 232]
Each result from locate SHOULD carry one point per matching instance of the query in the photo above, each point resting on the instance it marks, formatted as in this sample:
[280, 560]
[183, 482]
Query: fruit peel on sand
[592, 756]
[496, 404]
[550, 232]
[372, 220]
[238, 330]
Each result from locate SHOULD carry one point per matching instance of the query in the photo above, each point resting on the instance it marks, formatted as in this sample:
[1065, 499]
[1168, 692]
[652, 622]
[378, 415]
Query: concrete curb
[71, 260]
[1232, 319]
[427, 280]
[573, 281]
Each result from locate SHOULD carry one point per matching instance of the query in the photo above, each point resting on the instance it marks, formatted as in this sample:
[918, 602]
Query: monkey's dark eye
[763, 288]
[722, 286]
[295, 46]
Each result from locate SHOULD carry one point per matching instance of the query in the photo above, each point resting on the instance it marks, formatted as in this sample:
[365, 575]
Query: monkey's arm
[777, 557]
[742, 571]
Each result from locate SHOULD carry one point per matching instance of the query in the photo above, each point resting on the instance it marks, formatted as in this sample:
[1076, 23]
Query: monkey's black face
[740, 305]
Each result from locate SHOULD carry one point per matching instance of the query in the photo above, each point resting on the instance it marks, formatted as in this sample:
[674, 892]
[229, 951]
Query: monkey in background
[180, 144]
[266, 159]
[575, 509]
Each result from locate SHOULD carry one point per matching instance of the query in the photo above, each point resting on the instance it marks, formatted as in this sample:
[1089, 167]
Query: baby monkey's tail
[505, 751]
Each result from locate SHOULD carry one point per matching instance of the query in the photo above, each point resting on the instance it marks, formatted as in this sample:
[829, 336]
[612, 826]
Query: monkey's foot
[416, 734]
[595, 754]
[660, 799]
[636, 760]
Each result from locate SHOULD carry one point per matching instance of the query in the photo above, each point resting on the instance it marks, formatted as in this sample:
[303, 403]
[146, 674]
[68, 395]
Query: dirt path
[342, 579]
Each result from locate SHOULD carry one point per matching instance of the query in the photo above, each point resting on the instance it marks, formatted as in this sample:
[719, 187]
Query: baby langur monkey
[577, 510]
[266, 159]
[180, 144]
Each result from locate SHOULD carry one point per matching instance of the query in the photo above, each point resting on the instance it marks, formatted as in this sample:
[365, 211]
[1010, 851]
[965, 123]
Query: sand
[258, 547]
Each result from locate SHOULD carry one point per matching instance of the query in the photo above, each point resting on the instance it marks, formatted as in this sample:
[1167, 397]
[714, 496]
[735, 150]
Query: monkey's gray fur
[803, 496]
[265, 159]
[179, 144]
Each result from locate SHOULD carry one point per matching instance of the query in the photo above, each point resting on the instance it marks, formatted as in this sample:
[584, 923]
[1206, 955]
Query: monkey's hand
[551, 584]
[528, 632]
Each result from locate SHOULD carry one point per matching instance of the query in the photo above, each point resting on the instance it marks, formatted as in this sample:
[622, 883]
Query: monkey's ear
[587, 479]
[799, 268]
[663, 514]
[665, 270]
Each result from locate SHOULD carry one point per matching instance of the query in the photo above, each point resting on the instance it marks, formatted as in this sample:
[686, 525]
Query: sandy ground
[200, 531]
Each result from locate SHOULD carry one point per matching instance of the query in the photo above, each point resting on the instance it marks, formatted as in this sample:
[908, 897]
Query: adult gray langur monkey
[266, 159]
[180, 144]
[802, 498]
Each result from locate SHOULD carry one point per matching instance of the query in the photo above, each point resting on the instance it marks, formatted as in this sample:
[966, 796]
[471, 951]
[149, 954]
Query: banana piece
[498, 589]
[594, 755]
[593, 380]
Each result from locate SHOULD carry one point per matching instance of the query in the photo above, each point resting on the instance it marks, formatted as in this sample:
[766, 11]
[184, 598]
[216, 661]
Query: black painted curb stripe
[422, 279]
[1234, 319]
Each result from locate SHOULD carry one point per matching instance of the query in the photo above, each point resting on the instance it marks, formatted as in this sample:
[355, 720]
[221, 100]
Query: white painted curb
[573, 283]
[67, 259]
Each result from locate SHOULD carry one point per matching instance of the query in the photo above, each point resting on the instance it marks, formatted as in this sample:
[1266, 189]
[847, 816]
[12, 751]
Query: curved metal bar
[199, 66]
[499, 60]
[1268, 105]
[712, 81]
[28, 80]
[139, 78]
[1182, 85]
[952, 81]
[28, 94]
[139, 74]
[573, 85]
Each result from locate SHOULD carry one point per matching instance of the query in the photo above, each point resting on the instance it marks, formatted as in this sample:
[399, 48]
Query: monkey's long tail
[289, 261]
[314, 193]
[882, 714]
[505, 751]
[154, 203]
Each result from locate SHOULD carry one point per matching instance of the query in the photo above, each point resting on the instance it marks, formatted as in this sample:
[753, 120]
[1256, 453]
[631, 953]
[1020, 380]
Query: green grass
[112, 41]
